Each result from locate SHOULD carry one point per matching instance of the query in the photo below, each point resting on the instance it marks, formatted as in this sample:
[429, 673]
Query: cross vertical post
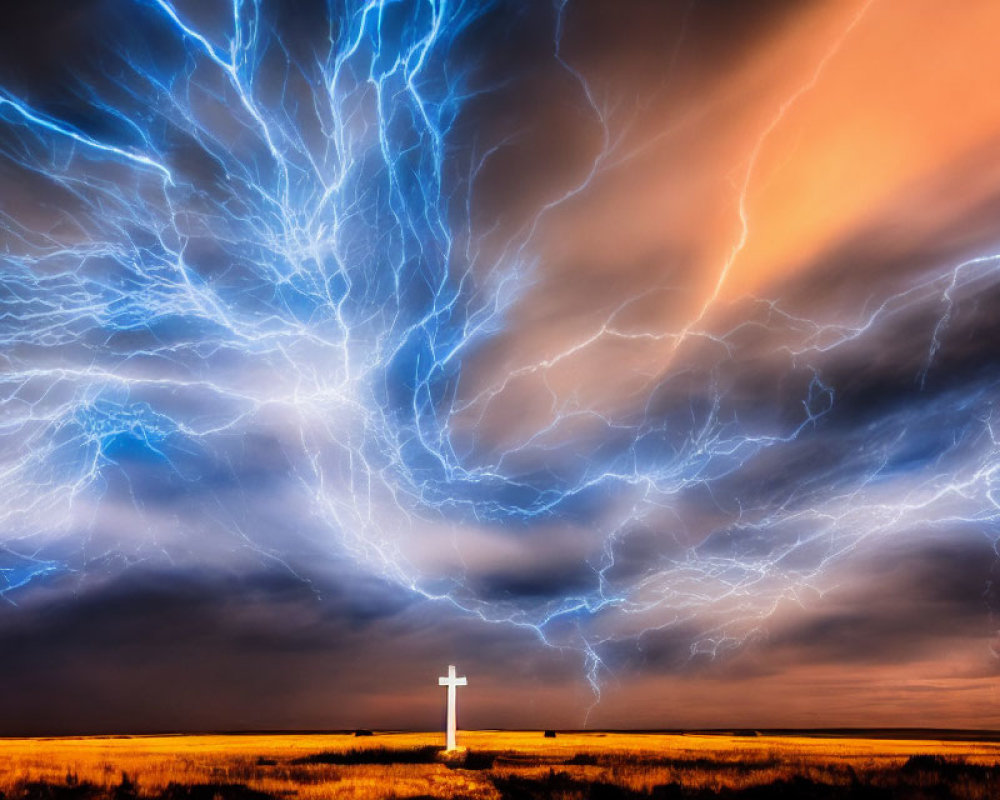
[451, 682]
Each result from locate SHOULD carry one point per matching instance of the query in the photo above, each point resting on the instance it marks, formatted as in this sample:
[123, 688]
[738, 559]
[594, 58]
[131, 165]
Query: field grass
[497, 765]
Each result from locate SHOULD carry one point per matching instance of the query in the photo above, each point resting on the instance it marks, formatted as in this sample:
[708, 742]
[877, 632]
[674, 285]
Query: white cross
[451, 682]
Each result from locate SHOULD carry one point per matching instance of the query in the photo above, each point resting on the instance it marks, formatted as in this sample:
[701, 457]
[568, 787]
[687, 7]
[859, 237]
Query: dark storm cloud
[525, 583]
[908, 605]
[911, 604]
[211, 651]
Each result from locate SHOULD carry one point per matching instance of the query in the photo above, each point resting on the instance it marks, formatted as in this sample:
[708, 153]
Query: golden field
[496, 765]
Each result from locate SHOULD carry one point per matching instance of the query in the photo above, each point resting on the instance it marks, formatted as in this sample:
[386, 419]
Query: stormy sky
[637, 357]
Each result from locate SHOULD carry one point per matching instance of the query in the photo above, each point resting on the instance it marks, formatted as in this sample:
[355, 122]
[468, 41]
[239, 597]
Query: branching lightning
[275, 245]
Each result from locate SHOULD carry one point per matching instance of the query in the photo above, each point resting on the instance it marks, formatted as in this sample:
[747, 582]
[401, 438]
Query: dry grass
[500, 764]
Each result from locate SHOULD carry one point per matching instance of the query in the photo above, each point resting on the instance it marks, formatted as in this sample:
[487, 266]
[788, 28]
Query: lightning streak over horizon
[261, 280]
